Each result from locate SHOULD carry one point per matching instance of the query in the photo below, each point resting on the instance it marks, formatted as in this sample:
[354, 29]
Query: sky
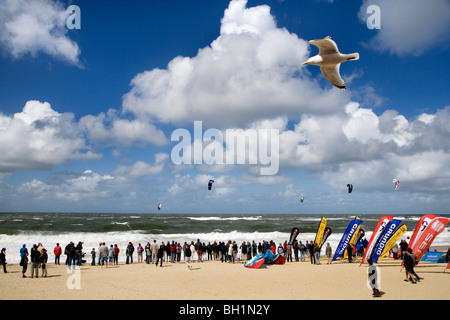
[118, 106]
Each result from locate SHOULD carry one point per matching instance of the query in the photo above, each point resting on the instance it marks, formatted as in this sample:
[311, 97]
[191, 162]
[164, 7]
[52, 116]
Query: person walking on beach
[408, 263]
[3, 259]
[57, 251]
[187, 256]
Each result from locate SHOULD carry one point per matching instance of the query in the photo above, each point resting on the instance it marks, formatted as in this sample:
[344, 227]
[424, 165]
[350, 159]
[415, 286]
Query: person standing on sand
[408, 263]
[154, 248]
[3, 259]
[198, 248]
[35, 256]
[328, 252]
[316, 254]
[311, 252]
[24, 264]
[140, 251]
[43, 260]
[93, 254]
[116, 254]
[57, 251]
[160, 255]
[23, 250]
[289, 252]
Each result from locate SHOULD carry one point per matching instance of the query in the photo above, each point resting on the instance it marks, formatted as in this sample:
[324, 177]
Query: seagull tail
[353, 56]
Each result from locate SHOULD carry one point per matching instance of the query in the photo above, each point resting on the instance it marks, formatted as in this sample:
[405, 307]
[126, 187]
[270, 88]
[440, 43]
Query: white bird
[329, 59]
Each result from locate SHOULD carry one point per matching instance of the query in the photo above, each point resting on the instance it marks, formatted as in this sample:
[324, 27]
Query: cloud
[252, 71]
[409, 27]
[371, 150]
[39, 138]
[110, 129]
[31, 27]
[142, 169]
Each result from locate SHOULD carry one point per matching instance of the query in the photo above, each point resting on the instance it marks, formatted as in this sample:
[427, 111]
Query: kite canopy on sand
[268, 258]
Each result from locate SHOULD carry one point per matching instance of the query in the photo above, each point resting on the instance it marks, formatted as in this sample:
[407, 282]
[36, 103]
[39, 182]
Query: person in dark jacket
[35, 256]
[160, 255]
[3, 259]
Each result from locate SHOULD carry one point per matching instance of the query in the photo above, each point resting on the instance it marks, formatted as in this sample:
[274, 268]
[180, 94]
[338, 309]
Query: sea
[17, 229]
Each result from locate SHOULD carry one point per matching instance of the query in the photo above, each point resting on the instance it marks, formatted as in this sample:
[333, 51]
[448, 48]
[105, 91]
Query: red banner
[420, 227]
[435, 227]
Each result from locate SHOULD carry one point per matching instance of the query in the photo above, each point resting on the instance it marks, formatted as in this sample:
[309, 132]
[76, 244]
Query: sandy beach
[213, 280]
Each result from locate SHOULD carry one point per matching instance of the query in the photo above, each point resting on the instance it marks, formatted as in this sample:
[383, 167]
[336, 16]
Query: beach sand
[213, 280]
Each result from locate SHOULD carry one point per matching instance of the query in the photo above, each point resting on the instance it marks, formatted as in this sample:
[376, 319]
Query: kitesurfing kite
[210, 183]
[350, 188]
[301, 199]
[329, 59]
[159, 206]
[396, 183]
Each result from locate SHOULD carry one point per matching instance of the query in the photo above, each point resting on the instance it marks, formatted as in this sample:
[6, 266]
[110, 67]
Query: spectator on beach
[23, 250]
[3, 259]
[316, 253]
[93, 254]
[403, 247]
[57, 252]
[187, 255]
[79, 253]
[70, 252]
[111, 254]
[199, 250]
[395, 251]
[280, 250]
[178, 251]
[129, 252]
[349, 252]
[116, 254]
[104, 254]
[100, 244]
[43, 260]
[244, 251]
[35, 256]
[160, 255]
[328, 252]
[148, 253]
[154, 248]
[311, 252]
[140, 252]
[230, 252]
[302, 249]
[289, 252]
[24, 264]
[173, 252]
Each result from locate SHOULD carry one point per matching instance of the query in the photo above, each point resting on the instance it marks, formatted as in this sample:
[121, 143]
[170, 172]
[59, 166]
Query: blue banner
[346, 237]
[387, 234]
[434, 256]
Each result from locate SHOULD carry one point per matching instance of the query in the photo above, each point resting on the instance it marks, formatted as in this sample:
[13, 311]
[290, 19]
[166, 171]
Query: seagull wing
[331, 73]
[325, 45]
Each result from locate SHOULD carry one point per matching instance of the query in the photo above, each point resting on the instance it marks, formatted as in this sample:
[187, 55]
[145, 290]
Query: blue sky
[86, 115]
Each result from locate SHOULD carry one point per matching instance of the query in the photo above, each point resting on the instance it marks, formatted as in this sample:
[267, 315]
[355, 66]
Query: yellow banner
[400, 231]
[352, 241]
[320, 231]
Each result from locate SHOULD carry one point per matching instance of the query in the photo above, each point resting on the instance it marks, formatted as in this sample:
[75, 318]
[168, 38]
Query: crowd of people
[172, 252]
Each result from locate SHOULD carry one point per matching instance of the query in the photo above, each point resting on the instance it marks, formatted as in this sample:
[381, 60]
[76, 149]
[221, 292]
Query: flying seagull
[329, 59]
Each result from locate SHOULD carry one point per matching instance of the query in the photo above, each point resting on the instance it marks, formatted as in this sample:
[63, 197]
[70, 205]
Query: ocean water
[17, 229]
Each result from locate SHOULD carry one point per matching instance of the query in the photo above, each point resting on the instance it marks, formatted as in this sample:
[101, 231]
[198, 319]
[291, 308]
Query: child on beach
[93, 254]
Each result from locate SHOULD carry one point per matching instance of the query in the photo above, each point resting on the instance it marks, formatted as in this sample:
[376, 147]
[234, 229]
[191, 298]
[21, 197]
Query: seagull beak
[304, 63]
